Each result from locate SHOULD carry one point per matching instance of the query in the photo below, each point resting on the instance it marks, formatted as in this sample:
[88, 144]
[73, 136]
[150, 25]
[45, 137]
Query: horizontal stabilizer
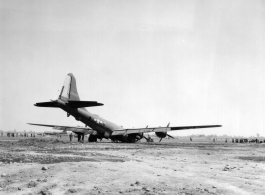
[82, 104]
[46, 104]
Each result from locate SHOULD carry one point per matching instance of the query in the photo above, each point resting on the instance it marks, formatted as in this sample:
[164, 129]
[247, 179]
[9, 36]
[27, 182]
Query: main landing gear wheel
[92, 138]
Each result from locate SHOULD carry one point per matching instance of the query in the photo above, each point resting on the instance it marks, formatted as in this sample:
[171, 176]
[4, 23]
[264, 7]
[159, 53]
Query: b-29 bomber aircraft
[70, 102]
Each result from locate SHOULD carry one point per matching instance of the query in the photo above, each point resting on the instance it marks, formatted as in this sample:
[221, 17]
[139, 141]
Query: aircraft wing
[67, 128]
[159, 129]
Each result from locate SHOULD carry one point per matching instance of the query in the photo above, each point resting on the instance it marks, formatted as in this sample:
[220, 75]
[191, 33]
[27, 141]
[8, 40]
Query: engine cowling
[161, 134]
[132, 138]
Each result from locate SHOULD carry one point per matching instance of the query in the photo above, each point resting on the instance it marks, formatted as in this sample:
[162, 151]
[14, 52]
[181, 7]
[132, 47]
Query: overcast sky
[148, 62]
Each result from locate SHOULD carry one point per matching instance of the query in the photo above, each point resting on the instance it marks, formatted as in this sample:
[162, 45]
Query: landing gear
[92, 138]
[80, 137]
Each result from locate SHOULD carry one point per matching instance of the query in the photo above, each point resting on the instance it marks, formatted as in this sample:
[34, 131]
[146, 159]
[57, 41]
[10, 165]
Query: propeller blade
[160, 139]
[170, 136]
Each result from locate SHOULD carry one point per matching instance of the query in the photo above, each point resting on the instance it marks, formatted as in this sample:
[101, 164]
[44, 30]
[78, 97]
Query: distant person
[213, 139]
[190, 139]
[71, 136]
[225, 140]
[233, 140]
[148, 138]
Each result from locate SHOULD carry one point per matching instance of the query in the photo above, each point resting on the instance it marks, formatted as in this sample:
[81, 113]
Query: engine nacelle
[132, 138]
[139, 136]
[94, 132]
[161, 134]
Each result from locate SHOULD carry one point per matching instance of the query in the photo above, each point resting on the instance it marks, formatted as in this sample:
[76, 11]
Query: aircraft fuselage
[103, 128]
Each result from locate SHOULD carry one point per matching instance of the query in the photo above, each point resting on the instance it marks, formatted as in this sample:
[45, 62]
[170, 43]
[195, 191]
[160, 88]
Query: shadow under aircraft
[96, 126]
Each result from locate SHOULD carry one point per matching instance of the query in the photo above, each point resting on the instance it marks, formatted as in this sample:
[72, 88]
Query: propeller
[145, 138]
[149, 139]
[170, 136]
[164, 134]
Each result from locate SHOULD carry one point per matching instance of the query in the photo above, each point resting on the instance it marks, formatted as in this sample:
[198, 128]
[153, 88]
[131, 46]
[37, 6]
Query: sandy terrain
[176, 167]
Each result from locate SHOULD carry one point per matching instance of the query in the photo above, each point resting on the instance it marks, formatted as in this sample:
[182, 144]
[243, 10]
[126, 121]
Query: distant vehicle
[70, 102]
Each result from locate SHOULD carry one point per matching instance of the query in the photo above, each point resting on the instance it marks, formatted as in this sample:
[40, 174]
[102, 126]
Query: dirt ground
[170, 167]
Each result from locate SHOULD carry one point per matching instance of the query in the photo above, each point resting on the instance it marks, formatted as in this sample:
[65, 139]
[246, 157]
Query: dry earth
[142, 168]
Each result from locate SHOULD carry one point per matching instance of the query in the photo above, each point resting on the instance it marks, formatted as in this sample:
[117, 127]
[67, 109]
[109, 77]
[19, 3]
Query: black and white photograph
[140, 97]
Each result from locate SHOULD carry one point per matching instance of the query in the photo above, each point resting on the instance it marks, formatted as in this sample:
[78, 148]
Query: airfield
[52, 165]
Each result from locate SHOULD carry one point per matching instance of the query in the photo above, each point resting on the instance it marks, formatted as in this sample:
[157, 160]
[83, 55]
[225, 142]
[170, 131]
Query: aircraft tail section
[69, 90]
[69, 96]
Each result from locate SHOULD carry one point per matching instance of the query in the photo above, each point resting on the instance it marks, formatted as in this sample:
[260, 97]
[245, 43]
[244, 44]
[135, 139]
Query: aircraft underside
[132, 138]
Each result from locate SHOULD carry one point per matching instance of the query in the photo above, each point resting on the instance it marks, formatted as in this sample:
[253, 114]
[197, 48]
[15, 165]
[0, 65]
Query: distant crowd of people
[235, 140]
[80, 138]
[9, 134]
[242, 140]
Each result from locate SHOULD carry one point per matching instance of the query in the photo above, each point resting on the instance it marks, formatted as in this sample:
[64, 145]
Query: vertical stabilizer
[69, 90]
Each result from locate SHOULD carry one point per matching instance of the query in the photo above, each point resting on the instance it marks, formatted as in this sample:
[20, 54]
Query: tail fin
[69, 96]
[69, 90]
